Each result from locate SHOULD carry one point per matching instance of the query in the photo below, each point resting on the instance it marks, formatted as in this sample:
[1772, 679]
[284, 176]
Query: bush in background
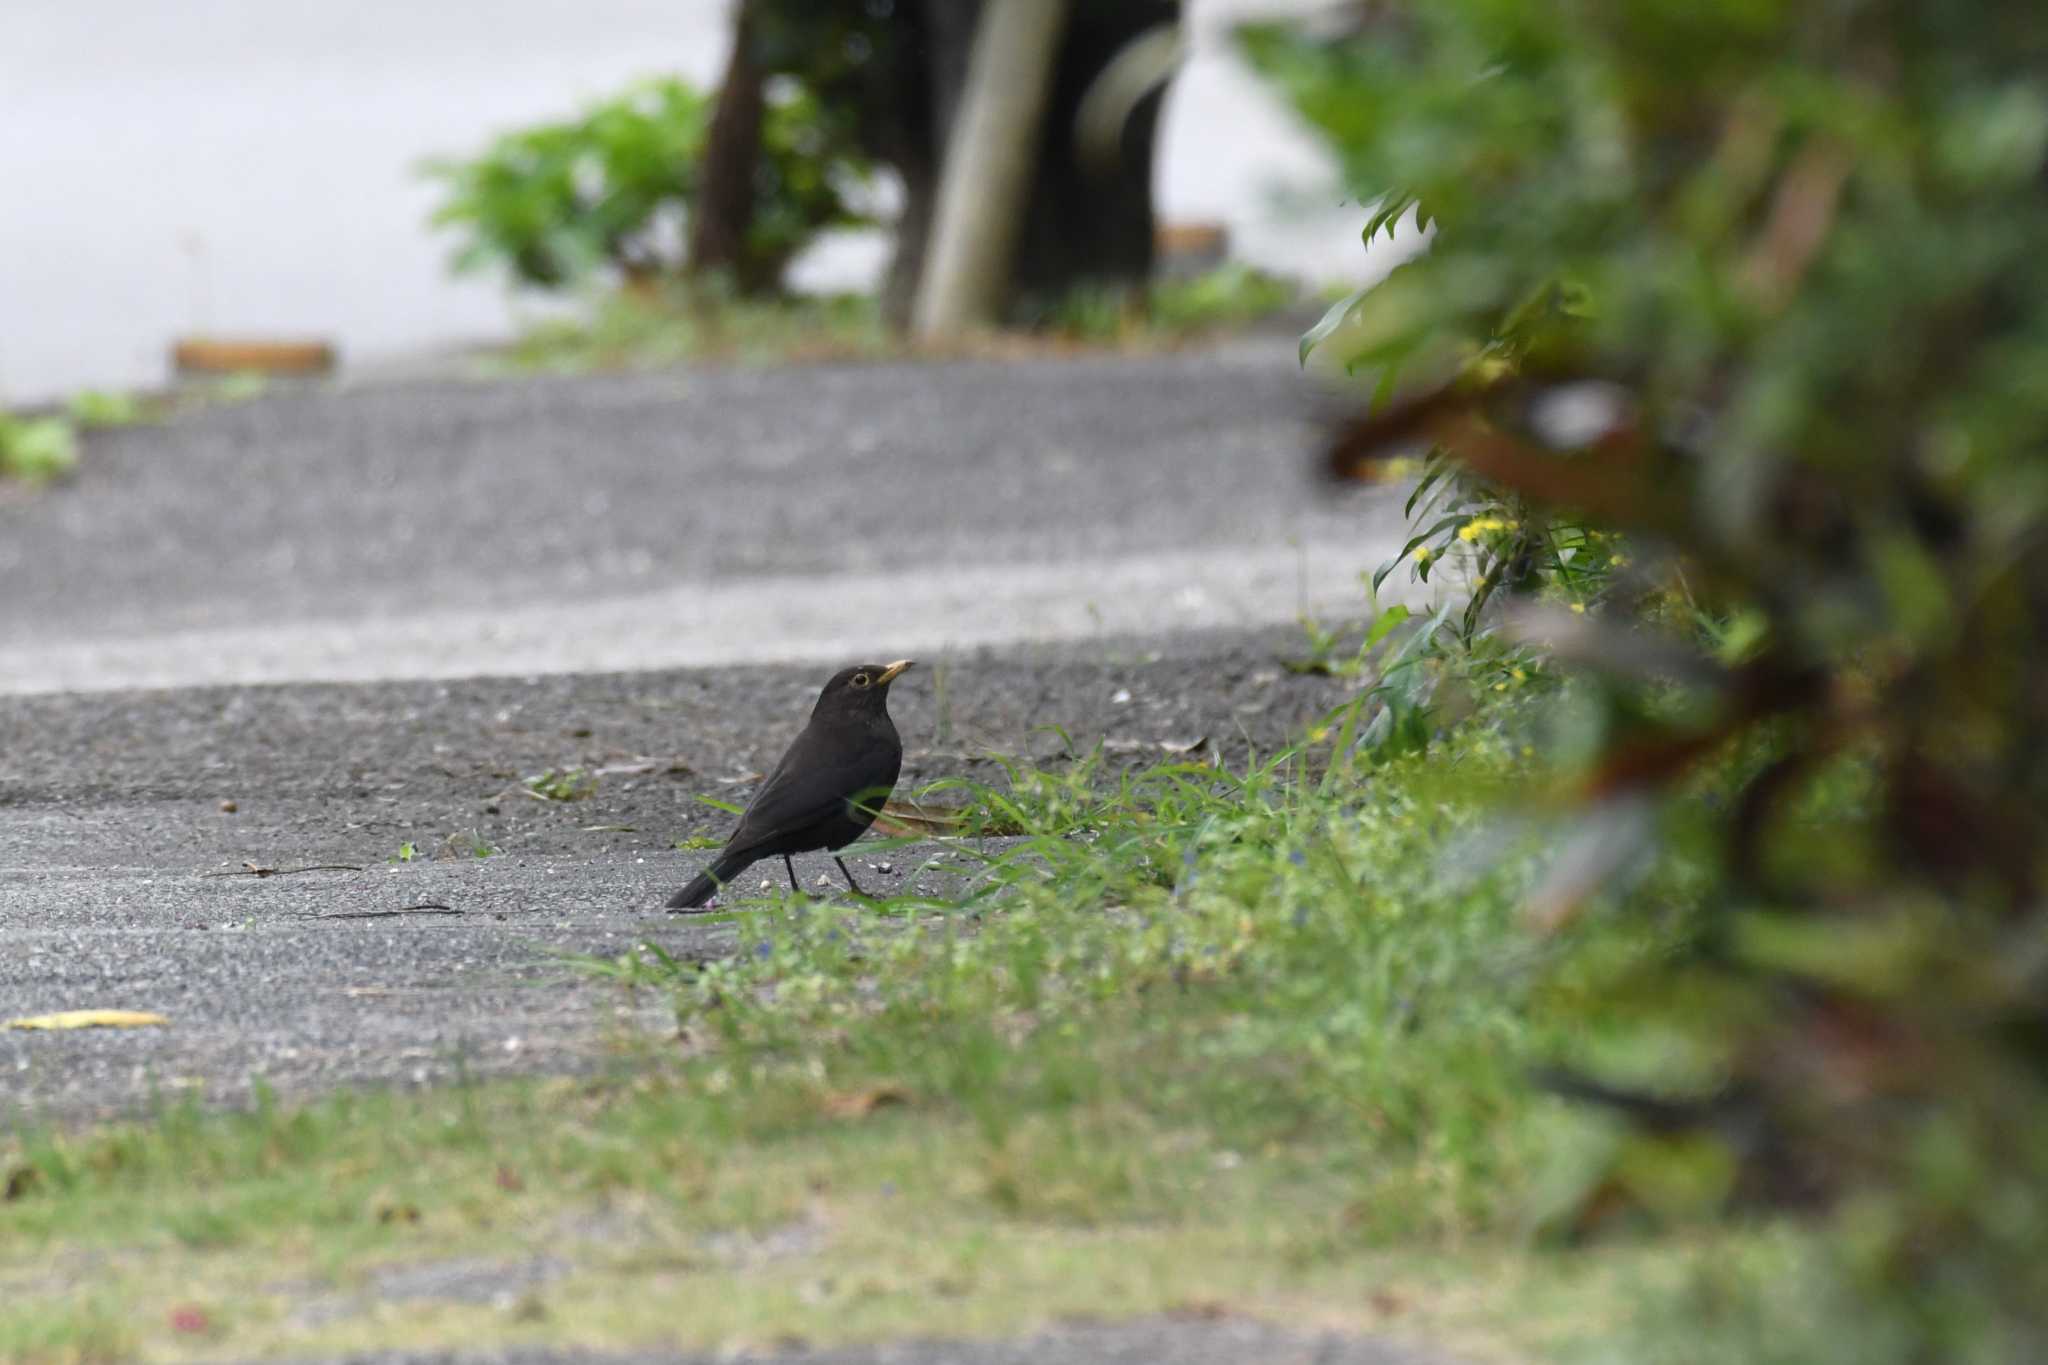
[557, 203]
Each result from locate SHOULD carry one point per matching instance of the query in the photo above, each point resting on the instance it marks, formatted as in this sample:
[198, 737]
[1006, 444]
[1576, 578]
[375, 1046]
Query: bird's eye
[860, 680]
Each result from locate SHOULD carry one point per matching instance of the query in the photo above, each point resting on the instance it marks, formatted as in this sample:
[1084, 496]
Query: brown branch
[723, 206]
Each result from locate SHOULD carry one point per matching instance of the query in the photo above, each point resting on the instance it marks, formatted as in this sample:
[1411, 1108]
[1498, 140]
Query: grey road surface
[678, 519]
[651, 574]
[125, 884]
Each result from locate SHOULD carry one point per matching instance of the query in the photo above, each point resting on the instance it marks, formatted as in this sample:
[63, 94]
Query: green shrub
[555, 203]
[1788, 256]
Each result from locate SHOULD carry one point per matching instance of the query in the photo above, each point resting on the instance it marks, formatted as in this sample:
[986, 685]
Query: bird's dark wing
[811, 783]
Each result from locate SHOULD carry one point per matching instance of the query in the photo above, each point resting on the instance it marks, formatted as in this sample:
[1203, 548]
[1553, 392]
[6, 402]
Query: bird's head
[863, 687]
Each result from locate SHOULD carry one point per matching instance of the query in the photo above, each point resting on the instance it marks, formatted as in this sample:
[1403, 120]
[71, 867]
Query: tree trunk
[901, 67]
[723, 207]
[1091, 225]
[991, 153]
[1079, 226]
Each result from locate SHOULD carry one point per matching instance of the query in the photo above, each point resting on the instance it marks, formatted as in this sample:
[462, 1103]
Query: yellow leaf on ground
[67, 1019]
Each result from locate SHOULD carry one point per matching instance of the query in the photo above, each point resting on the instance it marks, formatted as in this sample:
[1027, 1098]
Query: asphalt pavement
[271, 673]
[289, 873]
[709, 516]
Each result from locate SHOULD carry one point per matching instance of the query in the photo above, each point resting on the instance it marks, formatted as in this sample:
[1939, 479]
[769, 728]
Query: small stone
[229, 807]
[1122, 697]
[885, 868]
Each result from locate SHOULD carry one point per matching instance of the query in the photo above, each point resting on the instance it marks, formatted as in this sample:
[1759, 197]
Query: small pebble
[885, 868]
[229, 807]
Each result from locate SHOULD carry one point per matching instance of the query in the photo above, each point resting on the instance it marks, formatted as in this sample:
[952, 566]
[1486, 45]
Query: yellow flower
[1423, 554]
[1579, 607]
[1480, 526]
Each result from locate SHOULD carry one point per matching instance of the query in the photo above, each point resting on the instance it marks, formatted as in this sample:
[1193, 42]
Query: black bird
[826, 790]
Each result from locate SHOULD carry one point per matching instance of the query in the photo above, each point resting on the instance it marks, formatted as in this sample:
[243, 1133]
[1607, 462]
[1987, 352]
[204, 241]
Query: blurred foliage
[91, 408]
[1733, 335]
[678, 324]
[1229, 295]
[674, 323]
[555, 203]
[36, 449]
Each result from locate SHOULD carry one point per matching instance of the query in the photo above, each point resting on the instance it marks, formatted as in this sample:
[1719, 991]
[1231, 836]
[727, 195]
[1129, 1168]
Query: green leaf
[1333, 317]
[37, 449]
[1387, 621]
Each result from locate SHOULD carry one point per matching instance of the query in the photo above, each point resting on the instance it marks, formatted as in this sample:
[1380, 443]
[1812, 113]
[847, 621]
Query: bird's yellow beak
[889, 673]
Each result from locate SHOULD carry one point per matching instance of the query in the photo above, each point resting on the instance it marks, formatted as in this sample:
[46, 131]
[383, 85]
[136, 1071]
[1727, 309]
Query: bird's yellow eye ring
[860, 680]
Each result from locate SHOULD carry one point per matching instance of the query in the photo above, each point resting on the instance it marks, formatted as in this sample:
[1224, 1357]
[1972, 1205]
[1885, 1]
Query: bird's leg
[849, 878]
[790, 868]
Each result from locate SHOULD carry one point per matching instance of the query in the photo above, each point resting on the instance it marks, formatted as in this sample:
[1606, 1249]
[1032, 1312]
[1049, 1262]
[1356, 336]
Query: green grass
[1250, 956]
[44, 446]
[568, 784]
[637, 331]
[1194, 1039]
[1230, 295]
[648, 330]
[711, 1206]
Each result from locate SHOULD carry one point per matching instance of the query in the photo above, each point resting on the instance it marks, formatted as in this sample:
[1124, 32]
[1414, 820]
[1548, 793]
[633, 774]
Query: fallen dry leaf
[908, 818]
[858, 1104]
[70, 1019]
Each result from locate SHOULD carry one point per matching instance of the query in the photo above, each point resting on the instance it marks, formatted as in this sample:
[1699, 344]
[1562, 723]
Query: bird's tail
[706, 884]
